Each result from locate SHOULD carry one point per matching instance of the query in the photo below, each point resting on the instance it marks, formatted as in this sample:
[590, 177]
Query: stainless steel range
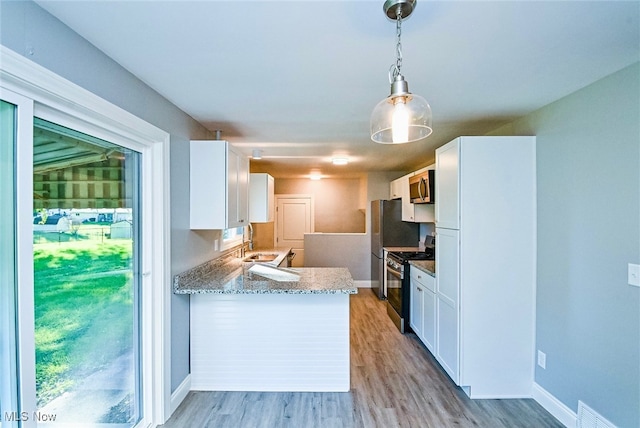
[398, 285]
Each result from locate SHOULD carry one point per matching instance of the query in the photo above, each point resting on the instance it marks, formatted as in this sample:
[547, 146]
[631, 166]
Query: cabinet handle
[419, 277]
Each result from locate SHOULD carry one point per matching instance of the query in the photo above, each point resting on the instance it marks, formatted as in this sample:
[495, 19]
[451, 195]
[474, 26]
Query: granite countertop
[231, 275]
[427, 266]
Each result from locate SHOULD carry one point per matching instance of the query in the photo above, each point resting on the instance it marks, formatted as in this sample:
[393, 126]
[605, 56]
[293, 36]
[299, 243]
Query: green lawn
[83, 310]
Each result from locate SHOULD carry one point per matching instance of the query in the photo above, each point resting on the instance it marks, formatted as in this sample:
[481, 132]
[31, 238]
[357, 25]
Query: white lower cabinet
[422, 318]
[429, 317]
[416, 316]
[447, 338]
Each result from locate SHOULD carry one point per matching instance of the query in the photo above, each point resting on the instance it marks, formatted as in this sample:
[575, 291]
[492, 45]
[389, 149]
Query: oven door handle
[394, 271]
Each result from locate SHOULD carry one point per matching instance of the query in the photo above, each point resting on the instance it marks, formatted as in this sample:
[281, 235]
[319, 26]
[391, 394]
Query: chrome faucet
[250, 237]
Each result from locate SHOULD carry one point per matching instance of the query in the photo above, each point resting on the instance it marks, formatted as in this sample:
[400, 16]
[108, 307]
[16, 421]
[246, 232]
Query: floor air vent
[589, 418]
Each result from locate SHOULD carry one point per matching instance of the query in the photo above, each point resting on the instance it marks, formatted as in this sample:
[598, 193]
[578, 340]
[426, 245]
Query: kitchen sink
[260, 257]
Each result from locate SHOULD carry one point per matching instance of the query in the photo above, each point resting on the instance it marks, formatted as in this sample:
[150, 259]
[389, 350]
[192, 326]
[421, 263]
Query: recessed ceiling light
[340, 161]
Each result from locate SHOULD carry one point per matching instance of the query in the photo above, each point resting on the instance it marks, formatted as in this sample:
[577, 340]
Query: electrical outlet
[542, 359]
[216, 245]
[634, 275]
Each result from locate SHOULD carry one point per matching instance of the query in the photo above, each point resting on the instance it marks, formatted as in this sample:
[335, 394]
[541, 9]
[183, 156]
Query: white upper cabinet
[261, 198]
[447, 204]
[396, 186]
[219, 186]
[415, 213]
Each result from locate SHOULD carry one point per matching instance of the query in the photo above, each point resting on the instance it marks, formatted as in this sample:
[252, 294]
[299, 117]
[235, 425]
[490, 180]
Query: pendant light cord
[394, 70]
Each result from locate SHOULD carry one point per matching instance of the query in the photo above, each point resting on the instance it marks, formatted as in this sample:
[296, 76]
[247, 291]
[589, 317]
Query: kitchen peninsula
[257, 327]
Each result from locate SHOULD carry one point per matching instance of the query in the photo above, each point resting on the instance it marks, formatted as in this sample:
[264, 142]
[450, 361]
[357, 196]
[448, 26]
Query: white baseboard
[362, 283]
[180, 393]
[562, 413]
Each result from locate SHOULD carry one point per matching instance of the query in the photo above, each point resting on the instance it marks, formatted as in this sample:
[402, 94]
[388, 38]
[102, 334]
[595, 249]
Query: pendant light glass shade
[402, 117]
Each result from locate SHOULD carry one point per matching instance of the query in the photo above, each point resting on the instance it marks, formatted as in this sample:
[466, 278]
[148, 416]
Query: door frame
[25, 350]
[60, 100]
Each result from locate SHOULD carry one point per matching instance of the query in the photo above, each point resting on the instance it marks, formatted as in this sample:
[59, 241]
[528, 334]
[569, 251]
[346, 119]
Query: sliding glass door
[71, 327]
[8, 277]
[86, 258]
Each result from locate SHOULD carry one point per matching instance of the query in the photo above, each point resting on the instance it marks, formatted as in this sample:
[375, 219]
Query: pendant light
[402, 117]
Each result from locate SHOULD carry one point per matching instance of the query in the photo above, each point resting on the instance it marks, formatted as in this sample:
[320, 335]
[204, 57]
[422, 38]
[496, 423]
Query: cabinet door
[208, 185]
[447, 338]
[261, 198]
[395, 188]
[423, 213]
[429, 320]
[408, 213]
[447, 300]
[237, 189]
[447, 203]
[447, 265]
[233, 166]
[243, 190]
[415, 316]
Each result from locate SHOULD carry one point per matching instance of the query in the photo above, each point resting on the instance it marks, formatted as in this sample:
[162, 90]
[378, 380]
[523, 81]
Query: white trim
[364, 283]
[57, 97]
[24, 251]
[180, 393]
[37, 82]
[562, 413]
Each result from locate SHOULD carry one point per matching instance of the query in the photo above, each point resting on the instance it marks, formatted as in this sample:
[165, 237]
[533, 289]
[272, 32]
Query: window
[232, 237]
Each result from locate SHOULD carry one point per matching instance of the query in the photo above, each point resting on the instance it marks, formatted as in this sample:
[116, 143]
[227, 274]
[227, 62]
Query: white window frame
[55, 98]
[235, 240]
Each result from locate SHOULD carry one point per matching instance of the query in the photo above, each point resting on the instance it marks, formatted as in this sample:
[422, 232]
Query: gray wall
[350, 250]
[588, 178]
[25, 25]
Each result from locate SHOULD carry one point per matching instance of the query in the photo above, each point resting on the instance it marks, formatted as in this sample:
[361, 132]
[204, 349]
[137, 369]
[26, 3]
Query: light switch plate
[634, 274]
[542, 359]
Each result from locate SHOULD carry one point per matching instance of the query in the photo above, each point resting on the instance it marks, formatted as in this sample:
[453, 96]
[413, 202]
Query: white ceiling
[299, 79]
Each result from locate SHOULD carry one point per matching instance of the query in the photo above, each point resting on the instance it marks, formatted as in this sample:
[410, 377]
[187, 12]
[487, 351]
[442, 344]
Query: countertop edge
[425, 266]
[353, 290]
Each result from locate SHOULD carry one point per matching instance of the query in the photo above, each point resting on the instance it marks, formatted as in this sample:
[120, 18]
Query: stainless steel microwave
[421, 188]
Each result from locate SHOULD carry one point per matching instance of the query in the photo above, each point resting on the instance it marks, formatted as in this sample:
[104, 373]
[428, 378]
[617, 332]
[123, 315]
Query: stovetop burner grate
[413, 255]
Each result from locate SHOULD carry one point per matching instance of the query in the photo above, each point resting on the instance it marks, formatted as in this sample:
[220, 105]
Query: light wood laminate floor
[395, 382]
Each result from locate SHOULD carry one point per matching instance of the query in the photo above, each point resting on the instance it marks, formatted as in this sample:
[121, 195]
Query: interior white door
[293, 220]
